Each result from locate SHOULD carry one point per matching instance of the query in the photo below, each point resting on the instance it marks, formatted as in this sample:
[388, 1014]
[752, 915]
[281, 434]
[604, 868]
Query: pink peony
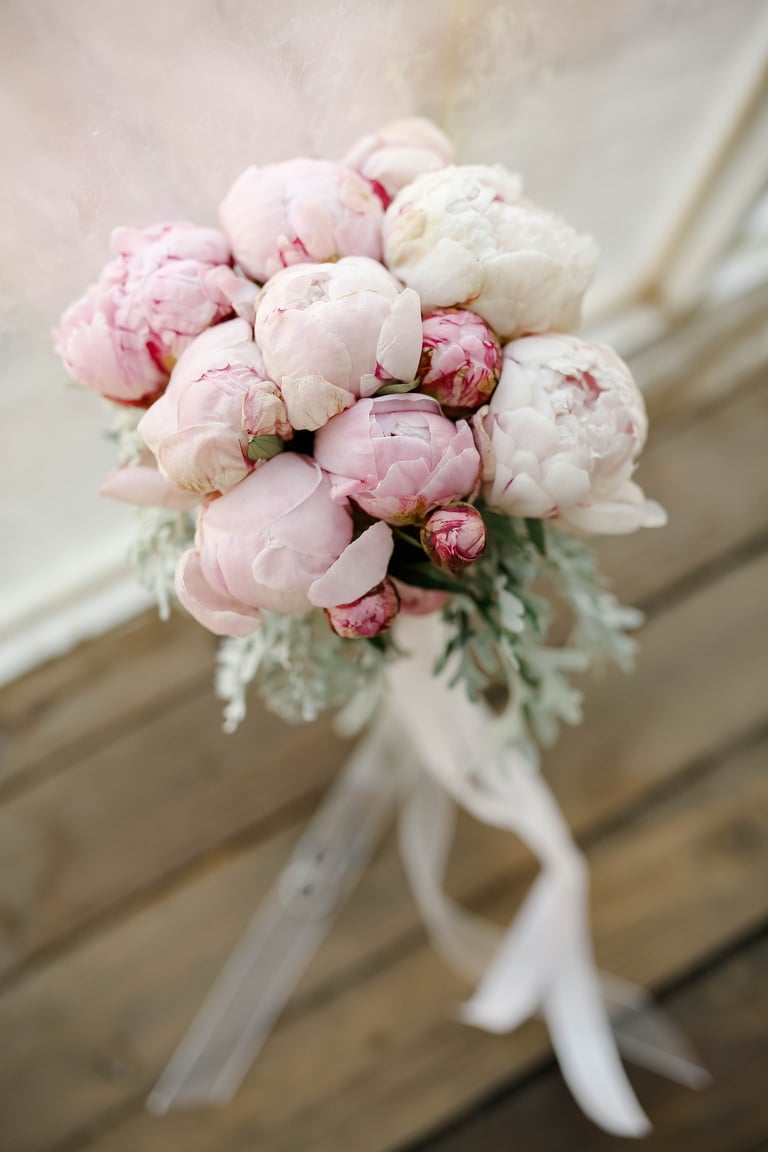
[460, 360]
[454, 538]
[278, 542]
[398, 457]
[217, 400]
[368, 616]
[398, 153]
[562, 435]
[466, 236]
[124, 335]
[143, 485]
[332, 332]
[300, 211]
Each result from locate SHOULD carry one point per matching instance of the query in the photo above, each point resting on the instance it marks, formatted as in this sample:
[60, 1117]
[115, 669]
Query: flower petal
[361, 566]
[220, 614]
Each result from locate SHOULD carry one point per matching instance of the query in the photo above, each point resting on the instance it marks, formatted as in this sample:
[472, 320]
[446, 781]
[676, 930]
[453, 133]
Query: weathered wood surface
[135, 840]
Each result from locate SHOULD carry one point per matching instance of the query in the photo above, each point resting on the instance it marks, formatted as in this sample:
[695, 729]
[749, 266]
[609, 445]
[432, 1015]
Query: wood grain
[130, 815]
[52, 716]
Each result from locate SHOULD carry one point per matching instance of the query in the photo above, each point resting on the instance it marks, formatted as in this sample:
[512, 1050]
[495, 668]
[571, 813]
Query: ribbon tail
[465, 941]
[578, 1022]
[649, 1037]
[268, 962]
[544, 963]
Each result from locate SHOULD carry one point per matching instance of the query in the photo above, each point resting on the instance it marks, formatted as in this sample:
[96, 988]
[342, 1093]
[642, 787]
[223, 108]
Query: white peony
[562, 435]
[465, 236]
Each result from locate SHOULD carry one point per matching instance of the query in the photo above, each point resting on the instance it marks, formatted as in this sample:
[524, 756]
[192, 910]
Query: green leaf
[396, 387]
[536, 533]
[426, 576]
[264, 447]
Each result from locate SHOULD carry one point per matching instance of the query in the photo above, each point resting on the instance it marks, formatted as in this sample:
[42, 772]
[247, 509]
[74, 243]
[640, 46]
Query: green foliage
[123, 430]
[498, 624]
[397, 387]
[264, 447]
[160, 539]
[601, 622]
[301, 668]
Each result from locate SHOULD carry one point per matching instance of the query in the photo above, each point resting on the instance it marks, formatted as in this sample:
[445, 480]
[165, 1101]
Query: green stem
[403, 535]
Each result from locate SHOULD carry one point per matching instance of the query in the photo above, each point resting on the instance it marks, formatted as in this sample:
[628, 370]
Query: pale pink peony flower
[562, 435]
[368, 616]
[299, 211]
[332, 332]
[124, 335]
[220, 613]
[465, 236]
[278, 542]
[218, 399]
[454, 537]
[143, 485]
[398, 153]
[398, 457]
[419, 601]
[460, 360]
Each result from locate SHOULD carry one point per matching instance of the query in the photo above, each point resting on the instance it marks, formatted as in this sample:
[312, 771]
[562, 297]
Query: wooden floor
[136, 839]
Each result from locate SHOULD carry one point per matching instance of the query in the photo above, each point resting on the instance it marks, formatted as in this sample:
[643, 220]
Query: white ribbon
[542, 964]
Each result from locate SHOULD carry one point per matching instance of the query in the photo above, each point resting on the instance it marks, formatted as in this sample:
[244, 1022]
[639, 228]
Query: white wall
[614, 110]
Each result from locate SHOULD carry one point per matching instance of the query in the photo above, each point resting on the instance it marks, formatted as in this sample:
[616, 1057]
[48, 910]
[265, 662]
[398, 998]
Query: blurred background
[135, 839]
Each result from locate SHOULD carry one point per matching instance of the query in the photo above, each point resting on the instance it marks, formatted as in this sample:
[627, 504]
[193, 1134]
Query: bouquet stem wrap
[431, 749]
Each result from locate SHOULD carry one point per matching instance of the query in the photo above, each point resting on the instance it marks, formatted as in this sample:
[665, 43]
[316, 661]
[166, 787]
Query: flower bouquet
[367, 453]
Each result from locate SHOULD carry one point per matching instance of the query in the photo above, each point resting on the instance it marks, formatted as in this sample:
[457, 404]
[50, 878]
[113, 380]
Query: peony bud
[369, 616]
[460, 360]
[454, 538]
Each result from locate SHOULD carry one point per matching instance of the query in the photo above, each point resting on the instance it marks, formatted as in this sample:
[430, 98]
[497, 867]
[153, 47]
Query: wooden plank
[380, 1061]
[711, 477]
[50, 717]
[55, 715]
[69, 849]
[132, 814]
[700, 683]
[724, 1013]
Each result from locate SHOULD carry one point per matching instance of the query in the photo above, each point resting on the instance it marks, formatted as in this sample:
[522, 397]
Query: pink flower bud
[369, 616]
[454, 538]
[460, 360]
